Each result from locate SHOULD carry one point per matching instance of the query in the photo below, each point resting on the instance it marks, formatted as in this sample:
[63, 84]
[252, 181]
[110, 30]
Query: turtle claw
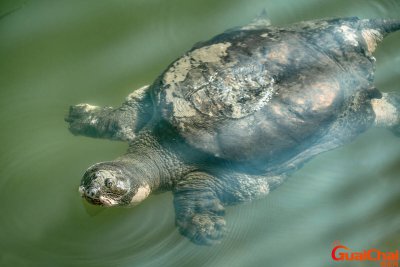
[202, 228]
[199, 216]
[80, 118]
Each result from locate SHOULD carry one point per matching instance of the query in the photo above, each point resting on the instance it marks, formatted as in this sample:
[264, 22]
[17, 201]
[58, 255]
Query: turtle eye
[108, 182]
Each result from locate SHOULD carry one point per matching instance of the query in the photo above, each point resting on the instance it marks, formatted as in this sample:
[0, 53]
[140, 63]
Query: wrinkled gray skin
[234, 116]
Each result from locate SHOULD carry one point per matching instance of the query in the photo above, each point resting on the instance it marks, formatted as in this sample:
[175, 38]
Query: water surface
[57, 53]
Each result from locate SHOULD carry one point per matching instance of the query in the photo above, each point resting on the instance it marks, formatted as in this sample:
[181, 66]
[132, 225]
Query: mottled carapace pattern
[259, 94]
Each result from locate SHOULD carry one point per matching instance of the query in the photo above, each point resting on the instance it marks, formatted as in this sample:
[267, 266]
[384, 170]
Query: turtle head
[111, 184]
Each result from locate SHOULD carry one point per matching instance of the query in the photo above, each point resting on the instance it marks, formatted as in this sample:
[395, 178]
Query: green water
[57, 53]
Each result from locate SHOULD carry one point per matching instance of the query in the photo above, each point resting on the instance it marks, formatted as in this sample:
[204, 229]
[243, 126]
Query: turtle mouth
[93, 201]
[101, 201]
[93, 196]
[108, 202]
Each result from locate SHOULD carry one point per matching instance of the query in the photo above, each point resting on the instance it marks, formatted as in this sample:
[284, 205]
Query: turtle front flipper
[387, 111]
[112, 123]
[199, 212]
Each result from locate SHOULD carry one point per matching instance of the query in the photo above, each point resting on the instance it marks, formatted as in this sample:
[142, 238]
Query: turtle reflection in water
[229, 120]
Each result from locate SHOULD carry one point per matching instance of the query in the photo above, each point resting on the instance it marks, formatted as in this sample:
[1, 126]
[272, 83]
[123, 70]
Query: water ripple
[81, 52]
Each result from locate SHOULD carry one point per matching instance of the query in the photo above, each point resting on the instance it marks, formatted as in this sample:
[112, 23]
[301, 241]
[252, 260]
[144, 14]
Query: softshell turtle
[229, 120]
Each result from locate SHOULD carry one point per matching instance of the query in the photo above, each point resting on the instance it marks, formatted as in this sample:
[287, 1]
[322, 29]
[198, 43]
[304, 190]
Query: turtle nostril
[92, 192]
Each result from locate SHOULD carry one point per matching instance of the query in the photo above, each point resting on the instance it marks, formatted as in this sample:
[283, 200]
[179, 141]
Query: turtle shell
[264, 93]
